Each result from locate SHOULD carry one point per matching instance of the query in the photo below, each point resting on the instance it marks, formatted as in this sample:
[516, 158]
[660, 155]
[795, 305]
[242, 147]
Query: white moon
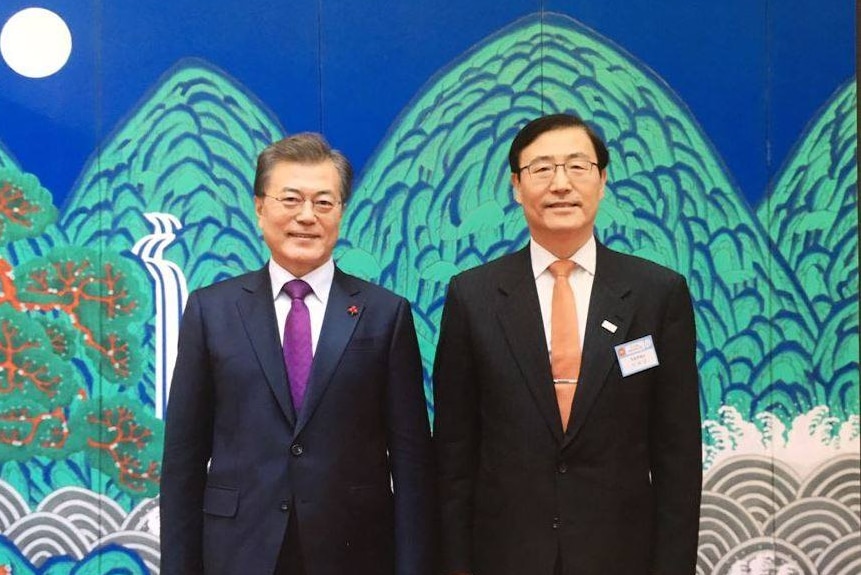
[35, 42]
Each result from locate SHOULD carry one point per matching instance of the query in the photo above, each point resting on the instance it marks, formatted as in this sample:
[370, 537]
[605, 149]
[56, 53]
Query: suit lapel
[338, 326]
[610, 301]
[520, 315]
[257, 310]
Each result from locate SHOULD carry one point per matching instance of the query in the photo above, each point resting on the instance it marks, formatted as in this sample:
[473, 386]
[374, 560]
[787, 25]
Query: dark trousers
[290, 561]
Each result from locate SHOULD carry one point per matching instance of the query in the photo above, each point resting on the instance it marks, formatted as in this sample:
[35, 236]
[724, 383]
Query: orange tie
[564, 339]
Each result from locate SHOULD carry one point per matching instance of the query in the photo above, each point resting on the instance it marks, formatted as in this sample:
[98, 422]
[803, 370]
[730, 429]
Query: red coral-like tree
[71, 321]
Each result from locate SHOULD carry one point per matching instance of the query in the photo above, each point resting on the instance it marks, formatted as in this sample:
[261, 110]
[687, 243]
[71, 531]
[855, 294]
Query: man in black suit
[546, 467]
[309, 457]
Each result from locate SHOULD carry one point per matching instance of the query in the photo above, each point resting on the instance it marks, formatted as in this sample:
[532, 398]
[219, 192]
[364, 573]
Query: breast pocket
[365, 343]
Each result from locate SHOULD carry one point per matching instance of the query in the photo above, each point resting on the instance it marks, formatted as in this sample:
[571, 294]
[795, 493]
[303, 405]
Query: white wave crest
[811, 439]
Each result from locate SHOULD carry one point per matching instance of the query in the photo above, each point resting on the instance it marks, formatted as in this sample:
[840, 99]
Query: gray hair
[305, 148]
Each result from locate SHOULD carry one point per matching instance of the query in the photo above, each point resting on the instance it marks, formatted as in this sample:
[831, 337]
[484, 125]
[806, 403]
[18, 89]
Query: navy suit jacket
[619, 492]
[354, 466]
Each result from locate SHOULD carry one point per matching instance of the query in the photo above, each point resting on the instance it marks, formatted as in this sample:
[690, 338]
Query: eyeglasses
[543, 171]
[294, 202]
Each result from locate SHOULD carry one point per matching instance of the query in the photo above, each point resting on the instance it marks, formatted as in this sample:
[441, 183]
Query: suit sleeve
[675, 440]
[456, 434]
[187, 448]
[410, 451]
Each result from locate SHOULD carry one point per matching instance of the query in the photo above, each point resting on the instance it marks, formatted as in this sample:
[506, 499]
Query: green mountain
[811, 217]
[188, 149]
[436, 199]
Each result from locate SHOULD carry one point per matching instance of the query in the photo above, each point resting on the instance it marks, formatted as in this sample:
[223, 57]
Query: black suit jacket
[619, 493]
[239, 463]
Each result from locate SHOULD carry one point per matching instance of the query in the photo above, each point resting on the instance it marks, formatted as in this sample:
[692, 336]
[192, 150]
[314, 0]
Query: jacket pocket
[220, 501]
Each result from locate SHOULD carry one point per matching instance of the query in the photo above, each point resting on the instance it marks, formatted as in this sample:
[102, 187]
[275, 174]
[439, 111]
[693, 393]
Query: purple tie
[297, 341]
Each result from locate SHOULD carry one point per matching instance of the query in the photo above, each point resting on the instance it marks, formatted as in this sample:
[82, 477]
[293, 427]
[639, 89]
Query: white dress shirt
[320, 281]
[581, 280]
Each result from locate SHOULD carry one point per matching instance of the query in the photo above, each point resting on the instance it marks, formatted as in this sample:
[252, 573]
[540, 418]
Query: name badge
[636, 355]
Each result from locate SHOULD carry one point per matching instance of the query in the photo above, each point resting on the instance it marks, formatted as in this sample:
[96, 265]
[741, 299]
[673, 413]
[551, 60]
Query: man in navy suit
[297, 439]
[567, 421]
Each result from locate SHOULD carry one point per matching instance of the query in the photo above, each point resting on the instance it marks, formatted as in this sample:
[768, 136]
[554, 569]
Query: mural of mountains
[189, 149]
[775, 288]
[435, 199]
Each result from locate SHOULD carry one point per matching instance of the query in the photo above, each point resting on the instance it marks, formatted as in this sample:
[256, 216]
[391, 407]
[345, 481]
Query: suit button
[297, 449]
[285, 506]
[562, 467]
[557, 522]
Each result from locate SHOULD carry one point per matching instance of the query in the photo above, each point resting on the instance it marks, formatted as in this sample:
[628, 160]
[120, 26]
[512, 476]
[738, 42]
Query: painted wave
[77, 526]
[778, 499]
[758, 517]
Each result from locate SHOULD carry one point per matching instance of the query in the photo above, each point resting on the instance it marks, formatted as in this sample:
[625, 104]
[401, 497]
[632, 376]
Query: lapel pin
[611, 327]
[353, 310]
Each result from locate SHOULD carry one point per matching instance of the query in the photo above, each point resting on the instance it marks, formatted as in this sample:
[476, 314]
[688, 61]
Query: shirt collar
[320, 279]
[541, 258]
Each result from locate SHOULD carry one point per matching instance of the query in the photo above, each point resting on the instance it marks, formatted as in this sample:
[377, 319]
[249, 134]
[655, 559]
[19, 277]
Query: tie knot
[562, 268]
[296, 289]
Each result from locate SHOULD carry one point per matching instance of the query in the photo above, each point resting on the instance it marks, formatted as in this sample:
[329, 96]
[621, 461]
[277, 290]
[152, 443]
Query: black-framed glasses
[543, 171]
[322, 204]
